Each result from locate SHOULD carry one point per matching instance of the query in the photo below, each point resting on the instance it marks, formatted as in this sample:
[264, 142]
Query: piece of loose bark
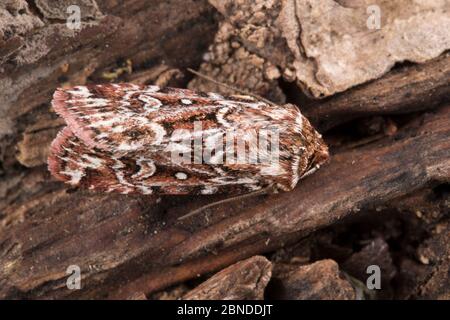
[327, 46]
[244, 280]
[173, 293]
[404, 90]
[317, 281]
[58, 9]
[127, 244]
[138, 296]
[33, 148]
[375, 253]
[11, 26]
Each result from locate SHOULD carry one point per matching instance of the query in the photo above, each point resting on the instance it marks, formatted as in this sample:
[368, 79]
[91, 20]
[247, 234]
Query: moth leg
[311, 171]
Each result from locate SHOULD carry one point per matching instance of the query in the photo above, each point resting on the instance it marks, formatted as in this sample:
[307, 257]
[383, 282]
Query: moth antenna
[247, 195]
[230, 87]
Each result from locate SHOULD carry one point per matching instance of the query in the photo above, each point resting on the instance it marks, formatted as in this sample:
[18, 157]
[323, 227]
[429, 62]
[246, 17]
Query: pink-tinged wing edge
[60, 105]
[53, 162]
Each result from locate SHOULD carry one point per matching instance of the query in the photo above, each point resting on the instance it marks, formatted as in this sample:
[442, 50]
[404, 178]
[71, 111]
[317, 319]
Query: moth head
[321, 154]
[318, 153]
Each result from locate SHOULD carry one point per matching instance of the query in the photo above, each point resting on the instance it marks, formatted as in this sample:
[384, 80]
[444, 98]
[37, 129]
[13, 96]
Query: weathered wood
[131, 246]
[44, 54]
[244, 280]
[407, 89]
[128, 244]
[320, 280]
[326, 46]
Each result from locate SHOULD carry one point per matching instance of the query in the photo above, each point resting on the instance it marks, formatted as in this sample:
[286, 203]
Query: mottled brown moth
[130, 138]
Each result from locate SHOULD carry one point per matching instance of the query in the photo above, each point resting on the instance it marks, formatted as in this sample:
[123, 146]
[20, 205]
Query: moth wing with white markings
[123, 138]
[72, 161]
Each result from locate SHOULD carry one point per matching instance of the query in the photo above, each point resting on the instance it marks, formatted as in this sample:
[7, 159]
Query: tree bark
[130, 246]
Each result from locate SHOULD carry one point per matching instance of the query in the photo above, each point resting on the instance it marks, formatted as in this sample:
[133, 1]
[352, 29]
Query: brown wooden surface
[132, 246]
[317, 281]
[128, 244]
[407, 89]
[244, 280]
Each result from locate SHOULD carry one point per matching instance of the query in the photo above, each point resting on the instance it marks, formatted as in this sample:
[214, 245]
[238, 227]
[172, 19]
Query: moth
[130, 138]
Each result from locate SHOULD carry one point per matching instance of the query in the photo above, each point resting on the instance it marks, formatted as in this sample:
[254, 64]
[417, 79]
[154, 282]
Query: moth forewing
[143, 139]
